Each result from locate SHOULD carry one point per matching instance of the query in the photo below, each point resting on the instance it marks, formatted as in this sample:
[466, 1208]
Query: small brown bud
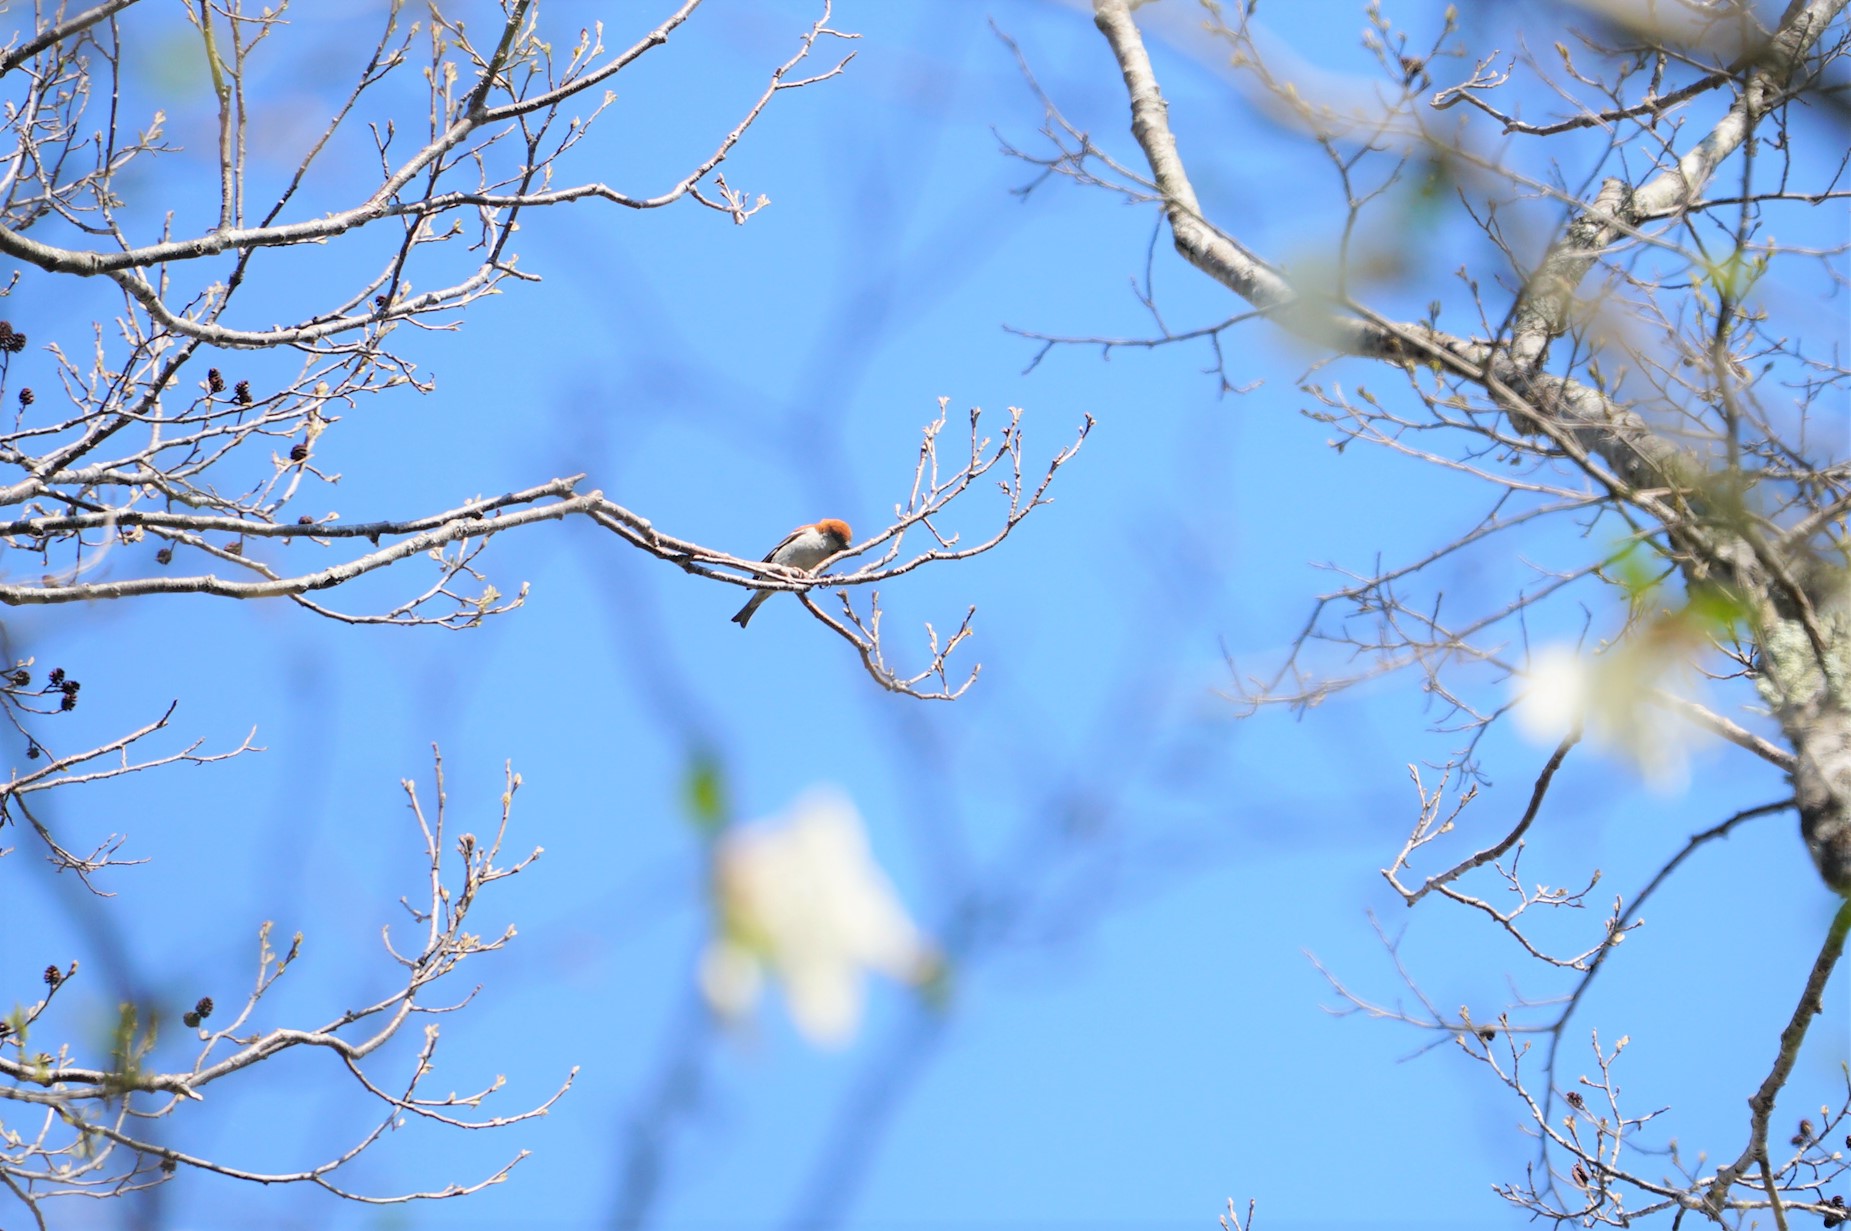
[1580, 1175]
[305, 520]
[1487, 1033]
[1804, 1136]
[235, 547]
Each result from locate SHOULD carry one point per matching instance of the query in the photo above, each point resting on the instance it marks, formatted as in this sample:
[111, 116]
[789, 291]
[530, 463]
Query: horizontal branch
[284, 587]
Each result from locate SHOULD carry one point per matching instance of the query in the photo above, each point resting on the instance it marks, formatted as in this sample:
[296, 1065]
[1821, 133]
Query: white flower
[800, 898]
[1612, 697]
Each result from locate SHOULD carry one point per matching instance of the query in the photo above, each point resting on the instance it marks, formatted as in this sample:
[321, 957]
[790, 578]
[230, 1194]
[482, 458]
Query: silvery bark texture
[1807, 692]
[1729, 487]
[1790, 586]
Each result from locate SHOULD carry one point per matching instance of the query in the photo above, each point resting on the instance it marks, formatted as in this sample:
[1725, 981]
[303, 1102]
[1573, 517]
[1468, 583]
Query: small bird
[803, 549]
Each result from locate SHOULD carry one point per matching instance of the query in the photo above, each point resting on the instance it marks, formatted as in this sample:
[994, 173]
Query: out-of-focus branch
[58, 31]
[1713, 536]
[1626, 351]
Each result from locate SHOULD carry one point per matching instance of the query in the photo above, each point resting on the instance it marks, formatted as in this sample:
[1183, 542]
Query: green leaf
[703, 793]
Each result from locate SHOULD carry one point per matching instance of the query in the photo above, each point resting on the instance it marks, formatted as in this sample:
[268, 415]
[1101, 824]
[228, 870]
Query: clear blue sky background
[1135, 878]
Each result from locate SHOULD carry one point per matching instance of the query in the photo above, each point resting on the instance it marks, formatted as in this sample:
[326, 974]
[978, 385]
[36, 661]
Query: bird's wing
[784, 542]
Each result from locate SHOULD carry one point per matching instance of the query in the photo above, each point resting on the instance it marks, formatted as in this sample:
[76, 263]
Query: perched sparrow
[802, 549]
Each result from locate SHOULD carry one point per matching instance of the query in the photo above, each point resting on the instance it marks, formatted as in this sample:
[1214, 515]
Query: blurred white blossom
[801, 900]
[1618, 697]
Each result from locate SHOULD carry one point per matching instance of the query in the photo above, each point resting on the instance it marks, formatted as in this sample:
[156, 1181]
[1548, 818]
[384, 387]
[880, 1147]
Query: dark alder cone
[242, 393]
[27, 397]
[13, 343]
[204, 1007]
[53, 976]
[164, 555]
[299, 451]
[21, 678]
[215, 380]
[56, 677]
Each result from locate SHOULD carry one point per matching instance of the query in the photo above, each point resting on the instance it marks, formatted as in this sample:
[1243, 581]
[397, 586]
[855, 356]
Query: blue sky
[1135, 1031]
